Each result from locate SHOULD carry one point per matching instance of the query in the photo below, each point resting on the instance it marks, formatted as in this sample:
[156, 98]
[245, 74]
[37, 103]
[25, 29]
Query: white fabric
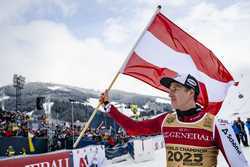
[181, 78]
[143, 150]
[154, 51]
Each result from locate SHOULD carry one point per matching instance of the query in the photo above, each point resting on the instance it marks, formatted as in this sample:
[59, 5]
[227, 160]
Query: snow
[58, 88]
[4, 98]
[47, 107]
[93, 102]
[160, 100]
[158, 160]
[121, 107]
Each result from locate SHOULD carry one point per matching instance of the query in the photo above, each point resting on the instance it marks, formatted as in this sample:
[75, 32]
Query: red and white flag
[164, 49]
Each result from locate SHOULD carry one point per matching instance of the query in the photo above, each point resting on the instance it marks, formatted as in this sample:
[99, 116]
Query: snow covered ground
[160, 160]
[58, 88]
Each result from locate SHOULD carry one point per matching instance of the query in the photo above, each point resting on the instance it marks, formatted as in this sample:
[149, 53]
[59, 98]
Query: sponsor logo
[170, 119]
[223, 122]
[187, 135]
[231, 140]
[191, 82]
[208, 122]
[54, 163]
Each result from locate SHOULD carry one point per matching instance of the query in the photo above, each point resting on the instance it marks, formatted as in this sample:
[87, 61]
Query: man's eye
[173, 89]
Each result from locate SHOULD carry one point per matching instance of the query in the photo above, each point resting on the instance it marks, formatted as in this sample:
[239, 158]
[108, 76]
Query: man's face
[180, 96]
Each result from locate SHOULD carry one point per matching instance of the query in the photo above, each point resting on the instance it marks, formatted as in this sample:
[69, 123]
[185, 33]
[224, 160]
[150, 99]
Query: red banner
[60, 159]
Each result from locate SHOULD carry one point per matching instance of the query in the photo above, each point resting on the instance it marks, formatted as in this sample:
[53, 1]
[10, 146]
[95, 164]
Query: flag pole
[93, 114]
[116, 76]
[143, 32]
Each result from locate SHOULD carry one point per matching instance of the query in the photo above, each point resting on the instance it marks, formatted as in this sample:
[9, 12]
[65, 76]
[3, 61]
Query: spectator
[23, 151]
[111, 141]
[236, 130]
[10, 151]
[243, 135]
[18, 124]
[7, 132]
[248, 125]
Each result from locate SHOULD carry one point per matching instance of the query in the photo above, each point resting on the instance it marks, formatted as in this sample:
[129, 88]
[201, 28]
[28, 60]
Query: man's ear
[192, 93]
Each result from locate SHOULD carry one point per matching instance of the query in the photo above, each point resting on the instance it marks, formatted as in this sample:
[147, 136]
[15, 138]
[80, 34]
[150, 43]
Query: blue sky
[83, 43]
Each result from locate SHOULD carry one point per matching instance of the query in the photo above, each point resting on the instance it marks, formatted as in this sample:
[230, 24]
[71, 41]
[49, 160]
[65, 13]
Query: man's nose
[171, 93]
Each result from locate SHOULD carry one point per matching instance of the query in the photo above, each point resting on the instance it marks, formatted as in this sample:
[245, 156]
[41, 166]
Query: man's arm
[133, 128]
[226, 141]
[136, 128]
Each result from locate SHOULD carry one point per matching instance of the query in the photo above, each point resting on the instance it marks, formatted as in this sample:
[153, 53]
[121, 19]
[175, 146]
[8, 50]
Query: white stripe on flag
[156, 52]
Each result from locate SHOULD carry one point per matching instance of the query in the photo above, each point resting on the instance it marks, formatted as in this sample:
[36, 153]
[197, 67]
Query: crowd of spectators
[19, 124]
[60, 135]
[13, 124]
[63, 136]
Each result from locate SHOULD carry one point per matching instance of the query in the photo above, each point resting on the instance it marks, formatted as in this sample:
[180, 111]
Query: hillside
[61, 94]
[236, 103]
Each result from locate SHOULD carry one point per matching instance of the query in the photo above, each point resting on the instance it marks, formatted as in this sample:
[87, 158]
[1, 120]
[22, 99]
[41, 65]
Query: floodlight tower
[18, 83]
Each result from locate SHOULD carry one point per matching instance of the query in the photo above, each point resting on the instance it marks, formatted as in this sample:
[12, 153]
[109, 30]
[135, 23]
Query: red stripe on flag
[146, 72]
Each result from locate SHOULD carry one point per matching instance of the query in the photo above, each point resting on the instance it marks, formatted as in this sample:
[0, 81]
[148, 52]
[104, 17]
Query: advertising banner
[90, 156]
[56, 159]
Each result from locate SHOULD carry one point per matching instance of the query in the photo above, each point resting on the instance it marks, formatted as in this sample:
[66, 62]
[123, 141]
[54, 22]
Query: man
[243, 135]
[10, 151]
[248, 125]
[236, 130]
[192, 135]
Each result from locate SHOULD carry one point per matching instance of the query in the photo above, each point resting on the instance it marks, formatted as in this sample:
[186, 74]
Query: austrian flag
[164, 49]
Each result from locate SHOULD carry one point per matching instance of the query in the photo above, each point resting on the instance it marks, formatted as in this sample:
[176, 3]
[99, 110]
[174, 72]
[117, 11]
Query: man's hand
[104, 98]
